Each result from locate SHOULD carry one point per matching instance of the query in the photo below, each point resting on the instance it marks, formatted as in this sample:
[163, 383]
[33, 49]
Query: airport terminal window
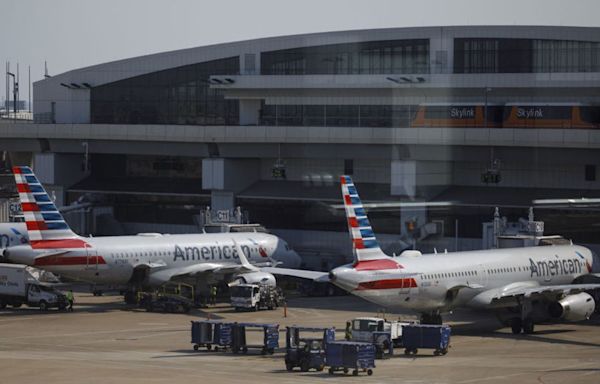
[174, 96]
[337, 115]
[374, 57]
[525, 56]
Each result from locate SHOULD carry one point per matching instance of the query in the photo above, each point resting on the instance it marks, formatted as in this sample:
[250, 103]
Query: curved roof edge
[134, 66]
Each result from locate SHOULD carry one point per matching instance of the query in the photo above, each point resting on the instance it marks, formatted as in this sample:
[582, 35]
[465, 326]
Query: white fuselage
[112, 259]
[423, 282]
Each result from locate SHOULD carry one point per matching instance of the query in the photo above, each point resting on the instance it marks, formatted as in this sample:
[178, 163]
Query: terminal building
[437, 126]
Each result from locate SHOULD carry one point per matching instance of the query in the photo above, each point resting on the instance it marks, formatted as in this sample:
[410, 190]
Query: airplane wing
[548, 291]
[163, 275]
[160, 276]
[321, 277]
[508, 295]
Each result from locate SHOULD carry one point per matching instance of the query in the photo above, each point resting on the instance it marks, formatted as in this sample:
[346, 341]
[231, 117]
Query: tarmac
[105, 341]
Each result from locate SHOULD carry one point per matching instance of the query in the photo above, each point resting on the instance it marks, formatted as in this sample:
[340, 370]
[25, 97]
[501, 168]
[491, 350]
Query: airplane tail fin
[46, 226]
[365, 245]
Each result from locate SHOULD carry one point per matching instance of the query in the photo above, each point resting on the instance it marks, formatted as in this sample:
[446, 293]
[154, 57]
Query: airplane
[149, 259]
[12, 234]
[523, 286]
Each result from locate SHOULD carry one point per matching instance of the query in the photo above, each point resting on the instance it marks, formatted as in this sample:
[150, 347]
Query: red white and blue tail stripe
[366, 248]
[46, 226]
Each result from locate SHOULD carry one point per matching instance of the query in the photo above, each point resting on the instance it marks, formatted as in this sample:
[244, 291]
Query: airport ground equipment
[18, 287]
[155, 302]
[255, 296]
[416, 336]
[211, 333]
[364, 327]
[383, 344]
[270, 339]
[346, 355]
[306, 352]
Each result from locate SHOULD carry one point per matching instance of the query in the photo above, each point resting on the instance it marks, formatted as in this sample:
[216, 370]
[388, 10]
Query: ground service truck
[18, 287]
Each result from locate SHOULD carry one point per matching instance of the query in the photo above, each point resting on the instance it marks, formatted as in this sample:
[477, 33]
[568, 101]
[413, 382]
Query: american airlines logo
[223, 252]
[555, 267]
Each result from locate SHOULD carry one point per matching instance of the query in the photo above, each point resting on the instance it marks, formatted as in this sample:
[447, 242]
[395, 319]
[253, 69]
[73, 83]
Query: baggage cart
[306, 352]
[270, 337]
[209, 333]
[346, 355]
[436, 337]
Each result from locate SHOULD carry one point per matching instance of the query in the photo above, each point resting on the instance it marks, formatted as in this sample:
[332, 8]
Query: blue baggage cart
[436, 337]
[306, 352]
[270, 337]
[346, 355]
[206, 333]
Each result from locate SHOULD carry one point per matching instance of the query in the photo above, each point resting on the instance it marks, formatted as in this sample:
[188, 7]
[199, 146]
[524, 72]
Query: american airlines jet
[145, 259]
[523, 285]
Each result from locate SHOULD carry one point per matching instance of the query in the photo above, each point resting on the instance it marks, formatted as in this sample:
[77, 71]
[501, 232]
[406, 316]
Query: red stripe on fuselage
[376, 265]
[387, 284]
[352, 222]
[56, 244]
[69, 260]
[16, 170]
[342, 180]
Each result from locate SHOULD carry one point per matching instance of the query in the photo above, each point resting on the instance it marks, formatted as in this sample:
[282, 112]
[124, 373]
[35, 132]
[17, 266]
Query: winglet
[243, 259]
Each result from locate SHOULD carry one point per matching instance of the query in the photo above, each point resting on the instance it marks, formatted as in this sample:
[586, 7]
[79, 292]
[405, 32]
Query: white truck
[255, 296]
[364, 327]
[18, 287]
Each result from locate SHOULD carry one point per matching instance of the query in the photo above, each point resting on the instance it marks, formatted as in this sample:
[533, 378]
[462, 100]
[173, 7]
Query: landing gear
[522, 319]
[431, 318]
[516, 325]
[528, 326]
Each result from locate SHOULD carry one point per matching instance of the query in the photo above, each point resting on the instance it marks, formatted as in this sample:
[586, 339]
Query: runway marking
[18, 318]
[153, 323]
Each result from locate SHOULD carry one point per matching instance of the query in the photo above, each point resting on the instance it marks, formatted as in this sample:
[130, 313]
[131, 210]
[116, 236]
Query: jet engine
[573, 307]
[254, 278]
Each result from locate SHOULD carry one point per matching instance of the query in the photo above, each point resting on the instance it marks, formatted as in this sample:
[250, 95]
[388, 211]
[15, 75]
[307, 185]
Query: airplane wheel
[330, 371]
[369, 372]
[195, 347]
[516, 325]
[528, 326]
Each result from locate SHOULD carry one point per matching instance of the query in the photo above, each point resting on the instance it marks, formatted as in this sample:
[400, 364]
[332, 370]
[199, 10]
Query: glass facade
[337, 115]
[525, 56]
[174, 96]
[374, 57]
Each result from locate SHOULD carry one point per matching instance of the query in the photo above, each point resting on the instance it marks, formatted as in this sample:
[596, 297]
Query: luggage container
[306, 352]
[346, 355]
[436, 337]
[270, 337]
[209, 333]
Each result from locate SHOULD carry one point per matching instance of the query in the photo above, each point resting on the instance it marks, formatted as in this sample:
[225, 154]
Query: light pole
[15, 92]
